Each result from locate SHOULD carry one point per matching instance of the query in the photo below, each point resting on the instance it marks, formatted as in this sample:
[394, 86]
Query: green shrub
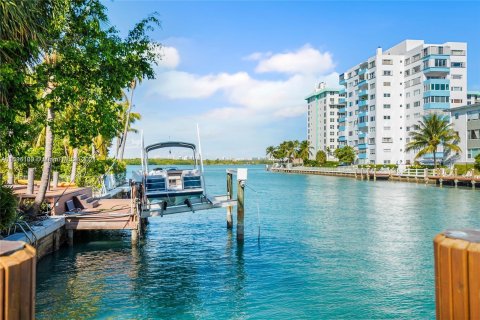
[321, 157]
[8, 207]
[477, 162]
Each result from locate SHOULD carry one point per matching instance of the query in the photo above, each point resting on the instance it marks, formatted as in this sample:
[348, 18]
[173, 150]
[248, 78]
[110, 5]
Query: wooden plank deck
[111, 214]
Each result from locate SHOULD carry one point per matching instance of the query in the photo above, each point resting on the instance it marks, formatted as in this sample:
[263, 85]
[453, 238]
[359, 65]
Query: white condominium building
[387, 94]
[473, 97]
[322, 119]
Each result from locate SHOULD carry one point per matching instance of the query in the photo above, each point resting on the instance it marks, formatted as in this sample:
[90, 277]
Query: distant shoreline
[136, 161]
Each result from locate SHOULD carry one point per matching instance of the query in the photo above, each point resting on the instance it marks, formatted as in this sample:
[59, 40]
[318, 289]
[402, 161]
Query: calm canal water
[329, 248]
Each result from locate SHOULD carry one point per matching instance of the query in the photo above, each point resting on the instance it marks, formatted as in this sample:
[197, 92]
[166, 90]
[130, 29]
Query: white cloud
[257, 56]
[304, 60]
[241, 103]
[170, 58]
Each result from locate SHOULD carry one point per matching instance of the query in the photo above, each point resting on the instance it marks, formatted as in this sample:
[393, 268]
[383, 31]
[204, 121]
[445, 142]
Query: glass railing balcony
[342, 82]
[363, 124]
[341, 128]
[362, 103]
[362, 93]
[436, 93]
[342, 138]
[362, 114]
[362, 134]
[342, 110]
[362, 71]
[342, 100]
[436, 70]
[362, 146]
[362, 83]
[342, 91]
[362, 155]
[436, 105]
[436, 81]
[341, 119]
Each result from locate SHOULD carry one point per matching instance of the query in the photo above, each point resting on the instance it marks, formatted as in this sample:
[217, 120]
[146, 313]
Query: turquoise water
[329, 248]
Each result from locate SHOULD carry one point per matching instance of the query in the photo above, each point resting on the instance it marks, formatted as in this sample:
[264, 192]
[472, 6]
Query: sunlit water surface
[329, 248]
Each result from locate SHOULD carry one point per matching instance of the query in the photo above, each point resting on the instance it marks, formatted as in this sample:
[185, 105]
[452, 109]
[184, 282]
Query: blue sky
[241, 69]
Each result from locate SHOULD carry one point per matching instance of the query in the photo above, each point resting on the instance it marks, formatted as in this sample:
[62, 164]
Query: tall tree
[304, 150]
[346, 154]
[269, 151]
[92, 64]
[431, 133]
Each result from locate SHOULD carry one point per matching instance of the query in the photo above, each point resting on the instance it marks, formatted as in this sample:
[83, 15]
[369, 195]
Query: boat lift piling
[229, 197]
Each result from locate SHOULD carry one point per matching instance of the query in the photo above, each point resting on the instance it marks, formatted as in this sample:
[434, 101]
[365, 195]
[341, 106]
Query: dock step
[86, 201]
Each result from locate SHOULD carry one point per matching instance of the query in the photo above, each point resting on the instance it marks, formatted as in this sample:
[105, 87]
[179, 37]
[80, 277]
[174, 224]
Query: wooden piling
[10, 172]
[230, 196]
[457, 274]
[30, 181]
[55, 179]
[17, 280]
[70, 237]
[240, 210]
[375, 174]
[134, 236]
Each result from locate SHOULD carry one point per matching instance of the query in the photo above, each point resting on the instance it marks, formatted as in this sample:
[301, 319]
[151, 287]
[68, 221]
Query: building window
[456, 115]
[386, 117]
[386, 128]
[472, 153]
[457, 76]
[387, 140]
[456, 100]
[387, 72]
[387, 62]
[458, 64]
[457, 88]
[386, 106]
[386, 84]
[416, 104]
[474, 134]
[440, 62]
[386, 95]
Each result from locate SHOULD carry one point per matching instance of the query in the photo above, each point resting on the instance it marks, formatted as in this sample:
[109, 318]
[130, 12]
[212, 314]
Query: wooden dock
[413, 175]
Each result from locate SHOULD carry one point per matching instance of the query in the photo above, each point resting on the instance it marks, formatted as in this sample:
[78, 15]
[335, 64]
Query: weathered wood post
[473, 184]
[375, 174]
[18, 263]
[55, 179]
[229, 196]
[241, 178]
[457, 274]
[70, 237]
[31, 180]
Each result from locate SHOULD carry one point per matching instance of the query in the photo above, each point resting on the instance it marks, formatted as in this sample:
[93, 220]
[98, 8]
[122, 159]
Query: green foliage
[431, 133]
[8, 207]
[166, 162]
[345, 154]
[321, 157]
[290, 150]
[477, 162]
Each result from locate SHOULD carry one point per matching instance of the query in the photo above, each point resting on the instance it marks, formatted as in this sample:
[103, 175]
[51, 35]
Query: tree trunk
[435, 160]
[74, 165]
[10, 173]
[47, 163]
[127, 122]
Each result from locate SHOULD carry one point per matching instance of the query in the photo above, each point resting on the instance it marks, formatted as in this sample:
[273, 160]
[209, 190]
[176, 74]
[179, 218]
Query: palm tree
[429, 134]
[126, 120]
[304, 150]
[270, 151]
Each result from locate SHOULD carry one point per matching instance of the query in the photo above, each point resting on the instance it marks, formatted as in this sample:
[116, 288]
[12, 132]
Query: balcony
[362, 155]
[362, 93]
[362, 134]
[362, 114]
[436, 105]
[436, 93]
[362, 83]
[362, 103]
[342, 91]
[342, 82]
[342, 110]
[342, 101]
[363, 124]
[362, 71]
[341, 128]
[436, 71]
[362, 146]
[341, 119]
[342, 139]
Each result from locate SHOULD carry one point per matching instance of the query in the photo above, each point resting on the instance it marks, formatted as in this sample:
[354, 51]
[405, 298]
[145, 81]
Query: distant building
[388, 93]
[322, 119]
[473, 97]
[466, 121]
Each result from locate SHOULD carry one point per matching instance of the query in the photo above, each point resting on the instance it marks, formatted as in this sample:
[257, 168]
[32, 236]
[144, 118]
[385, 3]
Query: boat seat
[193, 182]
[156, 183]
[71, 207]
